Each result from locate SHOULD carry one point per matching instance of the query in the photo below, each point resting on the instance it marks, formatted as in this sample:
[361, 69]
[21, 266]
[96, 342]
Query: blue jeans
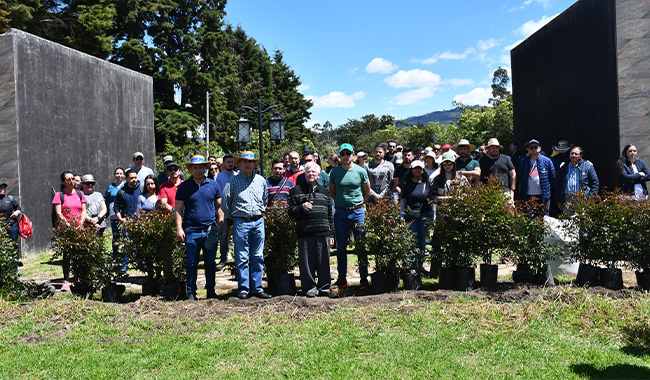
[420, 227]
[194, 243]
[249, 254]
[343, 222]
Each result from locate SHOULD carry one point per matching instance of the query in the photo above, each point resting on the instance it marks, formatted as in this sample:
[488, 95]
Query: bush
[281, 242]
[387, 236]
[526, 244]
[639, 235]
[150, 239]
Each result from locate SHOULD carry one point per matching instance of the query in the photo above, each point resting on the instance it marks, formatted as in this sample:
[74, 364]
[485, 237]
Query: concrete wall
[67, 111]
[565, 84]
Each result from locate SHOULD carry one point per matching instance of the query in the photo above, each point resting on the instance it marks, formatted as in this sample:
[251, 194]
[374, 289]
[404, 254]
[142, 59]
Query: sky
[401, 58]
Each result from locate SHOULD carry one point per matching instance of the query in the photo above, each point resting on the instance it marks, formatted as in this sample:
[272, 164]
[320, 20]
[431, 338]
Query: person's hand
[220, 225]
[307, 206]
[180, 235]
[559, 205]
[331, 242]
[642, 174]
[15, 214]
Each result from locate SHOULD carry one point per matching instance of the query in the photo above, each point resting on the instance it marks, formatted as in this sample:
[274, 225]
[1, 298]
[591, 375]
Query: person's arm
[83, 209]
[396, 185]
[226, 201]
[333, 191]
[513, 179]
[594, 184]
[220, 215]
[59, 214]
[178, 218]
[117, 206]
[365, 187]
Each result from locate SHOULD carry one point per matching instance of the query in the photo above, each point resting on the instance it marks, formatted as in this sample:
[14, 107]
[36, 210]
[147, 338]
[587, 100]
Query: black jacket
[317, 222]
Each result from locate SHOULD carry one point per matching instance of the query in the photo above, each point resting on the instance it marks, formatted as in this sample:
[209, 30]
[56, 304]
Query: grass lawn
[563, 333]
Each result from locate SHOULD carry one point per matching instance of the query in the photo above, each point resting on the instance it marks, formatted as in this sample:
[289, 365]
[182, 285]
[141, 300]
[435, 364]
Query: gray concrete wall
[633, 59]
[72, 112]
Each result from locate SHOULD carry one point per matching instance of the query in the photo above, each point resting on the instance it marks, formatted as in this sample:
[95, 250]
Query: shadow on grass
[639, 341]
[617, 371]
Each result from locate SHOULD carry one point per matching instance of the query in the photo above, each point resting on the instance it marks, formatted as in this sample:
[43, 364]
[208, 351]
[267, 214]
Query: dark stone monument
[585, 77]
[61, 109]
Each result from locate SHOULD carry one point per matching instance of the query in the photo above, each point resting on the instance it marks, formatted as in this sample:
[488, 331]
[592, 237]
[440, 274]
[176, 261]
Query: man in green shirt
[350, 188]
[465, 164]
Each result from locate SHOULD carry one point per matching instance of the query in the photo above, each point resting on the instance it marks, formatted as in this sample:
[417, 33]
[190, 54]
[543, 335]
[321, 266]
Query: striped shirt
[245, 197]
[572, 180]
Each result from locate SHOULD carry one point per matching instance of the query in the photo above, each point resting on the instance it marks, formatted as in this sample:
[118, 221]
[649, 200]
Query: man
[535, 179]
[198, 219]
[445, 148]
[279, 187]
[244, 201]
[495, 164]
[400, 171]
[294, 169]
[162, 176]
[392, 149]
[212, 159]
[575, 176]
[560, 153]
[465, 164]
[309, 205]
[126, 202]
[226, 173]
[140, 169]
[350, 188]
[480, 151]
[515, 154]
[168, 189]
[380, 175]
[323, 178]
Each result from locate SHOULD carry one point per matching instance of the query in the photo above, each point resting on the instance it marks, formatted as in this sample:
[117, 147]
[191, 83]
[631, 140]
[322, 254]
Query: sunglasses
[574, 154]
[213, 169]
[138, 158]
[448, 163]
[343, 154]
[89, 183]
[172, 169]
[533, 147]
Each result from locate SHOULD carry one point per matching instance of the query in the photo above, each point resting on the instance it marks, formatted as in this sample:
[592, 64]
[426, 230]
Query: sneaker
[191, 297]
[214, 296]
[328, 293]
[364, 285]
[311, 293]
[341, 283]
[66, 286]
[221, 265]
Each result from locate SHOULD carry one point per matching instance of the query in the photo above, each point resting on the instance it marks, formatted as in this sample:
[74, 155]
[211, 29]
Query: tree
[499, 86]
[359, 133]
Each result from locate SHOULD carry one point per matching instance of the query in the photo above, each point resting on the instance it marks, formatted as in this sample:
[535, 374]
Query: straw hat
[463, 142]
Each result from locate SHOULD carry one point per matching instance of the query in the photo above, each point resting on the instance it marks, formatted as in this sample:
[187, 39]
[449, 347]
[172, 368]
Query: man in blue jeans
[198, 219]
[350, 189]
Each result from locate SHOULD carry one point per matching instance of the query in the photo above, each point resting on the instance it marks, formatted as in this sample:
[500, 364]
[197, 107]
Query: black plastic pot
[113, 292]
[434, 272]
[643, 279]
[411, 279]
[465, 278]
[489, 275]
[447, 278]
[522, 275]
[544, 276]
[171, 292]
[383, 282]
[285, 284]
[611, 278]
[588, 275]
[81, 290]
[149, 287]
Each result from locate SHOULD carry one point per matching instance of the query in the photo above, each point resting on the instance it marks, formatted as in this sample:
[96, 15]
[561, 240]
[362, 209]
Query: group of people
[327, 204]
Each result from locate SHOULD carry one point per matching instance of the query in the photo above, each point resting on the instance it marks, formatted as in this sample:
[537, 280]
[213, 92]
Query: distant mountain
[442, 117]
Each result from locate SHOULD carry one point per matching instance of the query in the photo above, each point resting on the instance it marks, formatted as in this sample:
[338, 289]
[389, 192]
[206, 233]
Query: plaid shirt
[244, 197]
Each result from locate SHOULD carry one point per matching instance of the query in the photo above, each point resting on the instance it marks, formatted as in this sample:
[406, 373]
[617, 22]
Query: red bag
[25, 227]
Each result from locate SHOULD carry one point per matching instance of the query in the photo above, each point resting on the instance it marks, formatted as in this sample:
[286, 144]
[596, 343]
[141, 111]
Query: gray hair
[310, 164]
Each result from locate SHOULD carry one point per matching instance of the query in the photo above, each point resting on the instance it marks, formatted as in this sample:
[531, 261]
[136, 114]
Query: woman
[109, 198]
[10, 211]
[149, 200]
[431, 167]
[316, 158]
[449, 177]
[418, 211]
[96, 207]
[213, 171]
[634, 173]
[70, 207]
[332, 162]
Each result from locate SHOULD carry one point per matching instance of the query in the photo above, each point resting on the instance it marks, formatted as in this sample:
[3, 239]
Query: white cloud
[478, 96]
[544, 3]
[425, 61]
[352, 70]
[380, 65]
[532, 26]
[303, 87]
[413, 78]
[505, 59]
[484, 45]
[336, 99]
[310, 123]
[413, 96]
[512, 46]
[460, 82]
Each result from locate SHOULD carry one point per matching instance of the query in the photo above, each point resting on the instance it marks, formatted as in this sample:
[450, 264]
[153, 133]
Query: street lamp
[207, 120]
[276, 128]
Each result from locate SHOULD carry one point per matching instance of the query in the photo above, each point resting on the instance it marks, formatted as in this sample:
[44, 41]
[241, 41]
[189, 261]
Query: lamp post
[207, 121]
[276, 128]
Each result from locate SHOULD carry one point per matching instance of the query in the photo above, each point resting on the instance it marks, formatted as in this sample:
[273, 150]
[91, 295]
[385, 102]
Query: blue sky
[407, 58]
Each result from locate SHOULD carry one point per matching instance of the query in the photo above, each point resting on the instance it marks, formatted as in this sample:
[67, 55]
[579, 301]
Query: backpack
[25, 227]
[53, 215]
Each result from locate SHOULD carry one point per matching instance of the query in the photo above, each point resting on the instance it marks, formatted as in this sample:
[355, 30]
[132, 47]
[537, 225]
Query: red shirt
[168, 191]
[291, 176]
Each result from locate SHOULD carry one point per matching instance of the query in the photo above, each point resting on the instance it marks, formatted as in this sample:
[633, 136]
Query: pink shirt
[71, 208]
[168, 191]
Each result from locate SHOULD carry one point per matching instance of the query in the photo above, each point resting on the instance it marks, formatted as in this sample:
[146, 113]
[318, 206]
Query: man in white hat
[495, 164]
[140, 169]
[465, 164]
[244, 201]
[163, 176]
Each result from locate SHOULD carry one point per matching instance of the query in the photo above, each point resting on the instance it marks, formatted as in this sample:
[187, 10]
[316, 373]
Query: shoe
[66, 286]
[328, 293]
[311, 293]
[191, 297]
[221, 265]
[263, 295]
[364, 285]
[242, 295]
[214, 296]
[341, 283]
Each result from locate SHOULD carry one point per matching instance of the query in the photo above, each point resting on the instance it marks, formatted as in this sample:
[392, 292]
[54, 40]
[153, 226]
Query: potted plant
[601, 227]
[388, 237]
[639, 255]
[280, 249]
